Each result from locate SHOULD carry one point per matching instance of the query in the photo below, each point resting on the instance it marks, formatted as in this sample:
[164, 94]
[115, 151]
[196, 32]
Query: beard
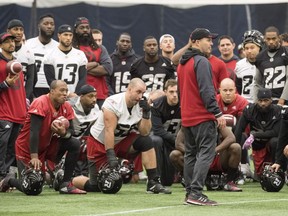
[45, 35]
[84, 39]
[264, 110]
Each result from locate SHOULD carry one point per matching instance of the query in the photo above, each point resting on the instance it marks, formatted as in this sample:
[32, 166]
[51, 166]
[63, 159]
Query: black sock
[151, 173]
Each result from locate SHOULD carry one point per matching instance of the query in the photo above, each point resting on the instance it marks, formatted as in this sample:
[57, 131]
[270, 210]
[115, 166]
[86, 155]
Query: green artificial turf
[133, 200]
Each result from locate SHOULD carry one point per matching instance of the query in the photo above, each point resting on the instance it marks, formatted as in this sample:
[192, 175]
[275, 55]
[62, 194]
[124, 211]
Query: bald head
[55, 83]
[136, 82]
[227, 90]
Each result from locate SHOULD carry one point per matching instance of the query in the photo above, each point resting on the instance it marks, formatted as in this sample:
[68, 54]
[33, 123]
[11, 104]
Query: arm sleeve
[206, 87]
[49, 73]
[3, 85]
[36, 124]
[82, 78]
[241, 125]
[30, 80]
[106, 61]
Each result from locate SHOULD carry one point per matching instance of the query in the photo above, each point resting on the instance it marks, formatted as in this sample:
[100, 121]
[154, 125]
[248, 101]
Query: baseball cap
[86, 89]
[64, 28]
[164, 36]
[15, 23]
[264, 93]
[4, 36]
[81, 20]
[200, 33]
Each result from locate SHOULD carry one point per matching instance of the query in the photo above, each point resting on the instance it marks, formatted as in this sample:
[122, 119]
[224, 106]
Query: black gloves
[112, 159]
[146, 109]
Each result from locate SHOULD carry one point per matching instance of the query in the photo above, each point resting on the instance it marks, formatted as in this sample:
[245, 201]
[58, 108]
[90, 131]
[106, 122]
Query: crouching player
[42, 138]
[121, 130]
[227, 157]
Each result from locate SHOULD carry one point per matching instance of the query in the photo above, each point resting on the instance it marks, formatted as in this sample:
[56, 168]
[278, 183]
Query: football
[230, 120]
[64, 121]
[13, 67]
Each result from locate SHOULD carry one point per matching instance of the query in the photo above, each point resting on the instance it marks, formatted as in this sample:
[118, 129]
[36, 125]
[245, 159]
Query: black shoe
[201, 200]
[58, 179]
[154, 186]
[4, 184]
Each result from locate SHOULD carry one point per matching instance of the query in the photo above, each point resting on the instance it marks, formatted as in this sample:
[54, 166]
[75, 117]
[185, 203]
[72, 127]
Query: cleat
[58, 179]
[4, 184]
[155, 187]
[231, 186]
[201, 200]
[69, 188]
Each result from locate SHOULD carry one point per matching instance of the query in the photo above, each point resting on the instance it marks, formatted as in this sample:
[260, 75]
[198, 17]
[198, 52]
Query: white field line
[166, 207]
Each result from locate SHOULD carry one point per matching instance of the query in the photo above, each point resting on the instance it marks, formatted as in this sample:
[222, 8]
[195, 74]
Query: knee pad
[143, 143]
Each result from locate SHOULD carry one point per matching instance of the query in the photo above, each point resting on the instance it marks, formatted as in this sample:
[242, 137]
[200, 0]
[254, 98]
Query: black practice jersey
[120, 77]
[263, 125]
[273, 72]
[153, 74]
[166, 119]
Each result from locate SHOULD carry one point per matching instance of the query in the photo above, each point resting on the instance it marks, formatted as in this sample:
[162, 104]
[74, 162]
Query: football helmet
[215, 181]
[126, 170]
[32, 181]
[253, 36]
[109, 180]
[270, 180]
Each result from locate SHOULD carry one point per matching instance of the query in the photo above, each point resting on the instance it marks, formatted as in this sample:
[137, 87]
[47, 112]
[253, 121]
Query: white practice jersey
[246, 71]
[25, 57]
[66, 65]
[126, 122]
[81, 121]
[40, 50]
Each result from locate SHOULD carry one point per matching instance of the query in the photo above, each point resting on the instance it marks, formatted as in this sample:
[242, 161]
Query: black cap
[86, 89]
[200, 33]
[264, 93]
[15, 23]
[4, 36]
[65, 28]
[81, 20]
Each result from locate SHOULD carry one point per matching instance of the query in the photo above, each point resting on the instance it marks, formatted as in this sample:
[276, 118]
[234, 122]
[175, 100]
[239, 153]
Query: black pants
[8, 134]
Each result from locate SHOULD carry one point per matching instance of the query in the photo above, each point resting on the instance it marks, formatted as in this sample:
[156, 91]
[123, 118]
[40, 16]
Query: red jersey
[235, 108]
[13, 99]
[98, 82]
[43, 107]
[219, 70]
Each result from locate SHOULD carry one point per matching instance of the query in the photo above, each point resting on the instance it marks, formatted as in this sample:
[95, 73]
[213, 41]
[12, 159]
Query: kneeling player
[227, 157]
[121, 130]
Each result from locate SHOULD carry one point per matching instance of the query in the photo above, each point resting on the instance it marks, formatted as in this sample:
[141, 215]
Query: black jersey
[166, 119]
[264, 125]
[120, 77]
[273, 72]
[153, 74]
[282, 138]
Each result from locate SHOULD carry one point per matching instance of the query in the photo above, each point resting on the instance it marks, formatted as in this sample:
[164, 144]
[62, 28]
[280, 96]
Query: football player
[41, 45]
[263, 118]
[41, 139]
[13, 104]
[122, 131]
[99, 63]
[166, 122]
[226, 160]
[245, 70]
[271, 66]
[23, 55]
[66, 63]
[86, 112]
[152, 68]
[122, 59]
